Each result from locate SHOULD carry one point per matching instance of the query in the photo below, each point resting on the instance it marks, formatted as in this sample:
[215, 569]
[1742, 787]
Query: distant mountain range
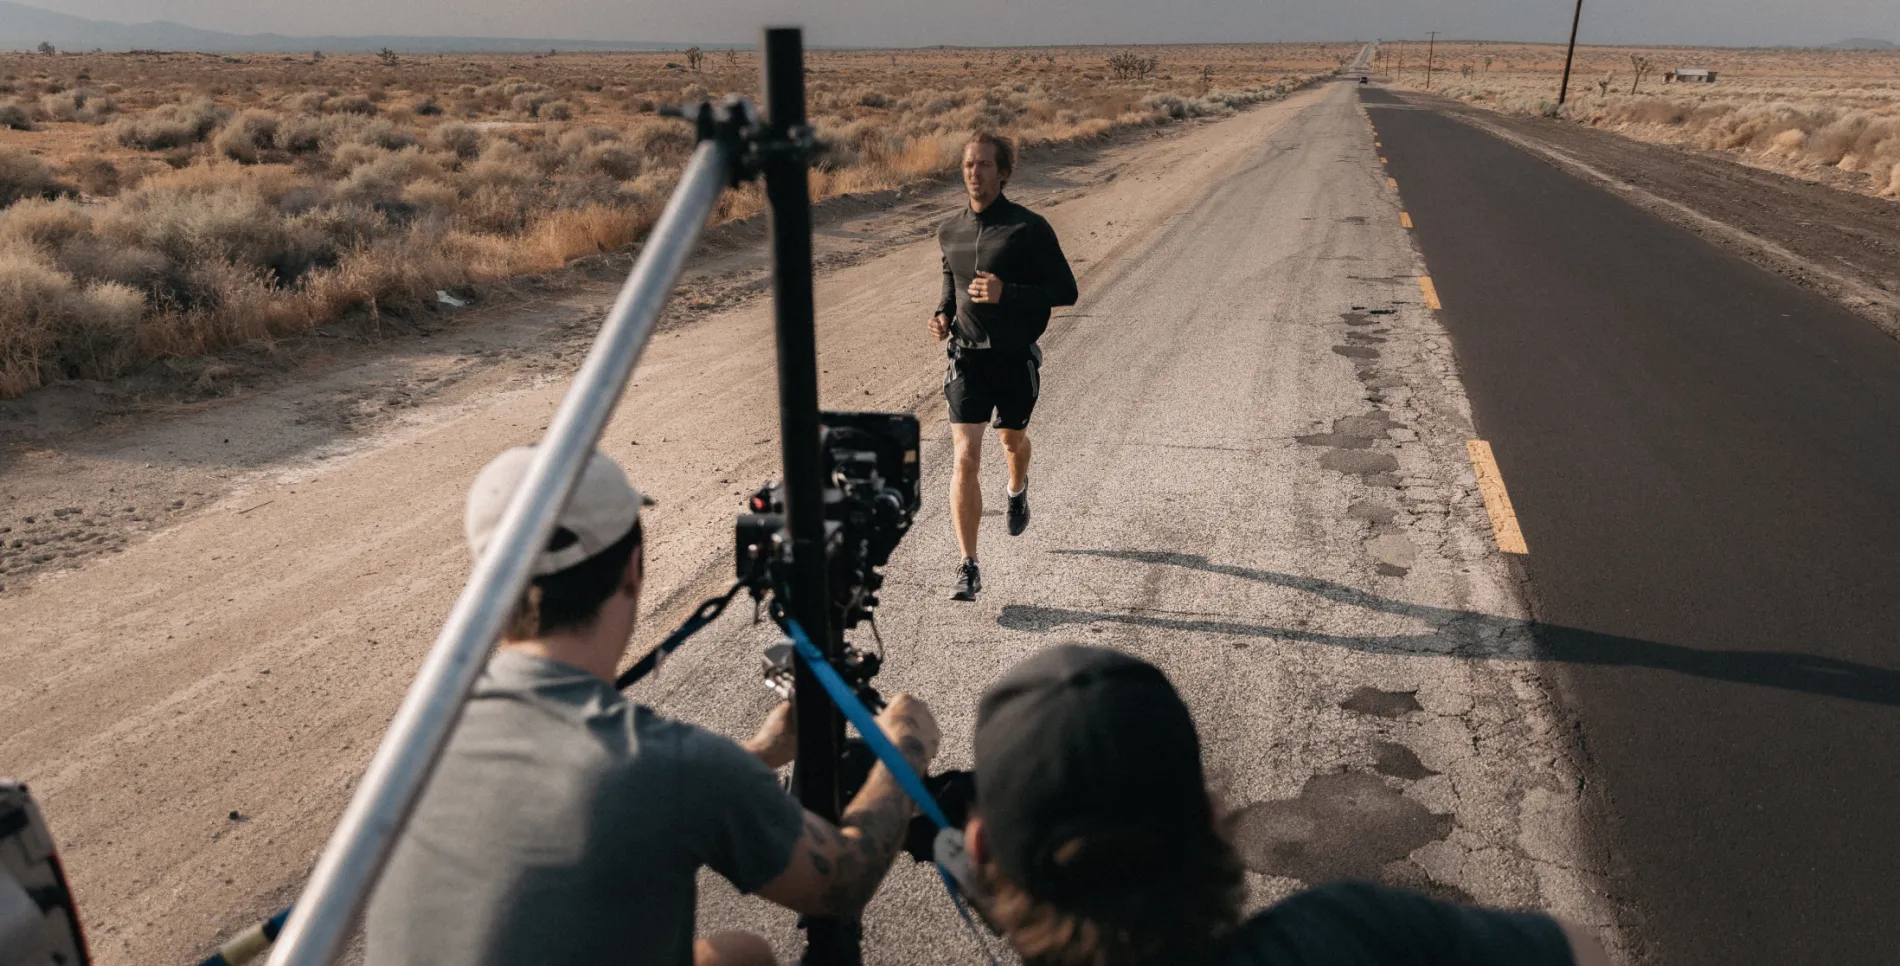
[1862, 43]
[25, 28]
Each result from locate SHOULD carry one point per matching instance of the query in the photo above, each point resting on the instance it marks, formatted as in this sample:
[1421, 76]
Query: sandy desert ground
[165, 205]
[1830, 115]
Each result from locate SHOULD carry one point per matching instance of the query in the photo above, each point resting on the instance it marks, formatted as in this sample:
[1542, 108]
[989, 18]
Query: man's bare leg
[1016, 451]
[966, 490]
[1016, 448]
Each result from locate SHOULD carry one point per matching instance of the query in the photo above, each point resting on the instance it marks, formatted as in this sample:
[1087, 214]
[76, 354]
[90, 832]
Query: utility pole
[1429, 45]
[1564, 90]
[1401, 65]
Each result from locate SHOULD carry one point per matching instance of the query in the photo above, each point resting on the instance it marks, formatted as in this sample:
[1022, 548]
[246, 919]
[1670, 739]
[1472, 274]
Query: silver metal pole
[352, 861]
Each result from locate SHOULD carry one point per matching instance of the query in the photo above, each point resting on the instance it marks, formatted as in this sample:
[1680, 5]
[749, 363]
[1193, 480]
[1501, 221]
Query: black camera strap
[704, 614]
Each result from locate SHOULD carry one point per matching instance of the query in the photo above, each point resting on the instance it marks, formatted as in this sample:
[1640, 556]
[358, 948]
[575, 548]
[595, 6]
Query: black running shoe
[1019, 511]
[969, 581]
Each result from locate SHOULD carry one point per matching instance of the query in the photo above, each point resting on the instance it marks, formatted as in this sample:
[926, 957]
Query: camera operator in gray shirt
[566, 825]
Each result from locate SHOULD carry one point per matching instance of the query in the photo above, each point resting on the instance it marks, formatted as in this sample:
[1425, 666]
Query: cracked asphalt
[1250, 468]
[1702, 457]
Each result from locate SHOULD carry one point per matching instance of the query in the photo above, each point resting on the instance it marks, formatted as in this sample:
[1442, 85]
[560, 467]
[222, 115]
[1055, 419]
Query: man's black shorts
[981, 383]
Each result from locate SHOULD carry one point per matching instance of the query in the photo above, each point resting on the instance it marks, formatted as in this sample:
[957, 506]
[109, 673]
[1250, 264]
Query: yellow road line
[1376, 144]
[1394, 182]
[1430, 292]
[1497, 501]
[1405, 218]
[1382, 160]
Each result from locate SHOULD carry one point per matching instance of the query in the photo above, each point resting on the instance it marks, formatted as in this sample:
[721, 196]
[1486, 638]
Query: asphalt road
[1704, 461]
[1250, 468]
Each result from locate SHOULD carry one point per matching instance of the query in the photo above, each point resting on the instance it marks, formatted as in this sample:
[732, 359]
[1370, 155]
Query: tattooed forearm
[873, 829]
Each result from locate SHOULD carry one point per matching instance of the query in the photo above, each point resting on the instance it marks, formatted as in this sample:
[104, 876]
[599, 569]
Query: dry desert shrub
[81, 104]
[1784, 110]
[16, 115]
[171, 126]
[97, 176]
[85, 331]
[25, 176]
[248, 137]
[465, 141]
[251, 197]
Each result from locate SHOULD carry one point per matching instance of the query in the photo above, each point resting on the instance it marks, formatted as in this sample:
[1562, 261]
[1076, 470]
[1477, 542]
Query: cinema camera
[870, 468]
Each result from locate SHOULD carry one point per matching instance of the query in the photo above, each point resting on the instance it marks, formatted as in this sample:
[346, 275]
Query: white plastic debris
[449, 300]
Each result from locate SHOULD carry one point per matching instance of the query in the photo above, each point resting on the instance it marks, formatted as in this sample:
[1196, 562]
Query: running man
[1003, 271]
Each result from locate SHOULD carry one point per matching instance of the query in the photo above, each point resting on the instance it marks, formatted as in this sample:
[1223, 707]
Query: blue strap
[862, 719]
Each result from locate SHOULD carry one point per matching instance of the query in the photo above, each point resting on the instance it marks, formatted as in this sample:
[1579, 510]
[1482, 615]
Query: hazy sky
[1006, 22]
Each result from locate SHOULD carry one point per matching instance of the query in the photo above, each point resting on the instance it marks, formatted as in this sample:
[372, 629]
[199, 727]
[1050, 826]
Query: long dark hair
[1184, 896]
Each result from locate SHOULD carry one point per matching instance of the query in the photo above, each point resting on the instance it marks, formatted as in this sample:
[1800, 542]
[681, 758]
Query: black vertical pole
[1430, 46]
[1563, 90]
[829, 942]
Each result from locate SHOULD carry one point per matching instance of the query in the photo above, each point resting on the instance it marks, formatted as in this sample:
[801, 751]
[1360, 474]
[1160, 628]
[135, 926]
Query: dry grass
[175, 204]
[1791, 111]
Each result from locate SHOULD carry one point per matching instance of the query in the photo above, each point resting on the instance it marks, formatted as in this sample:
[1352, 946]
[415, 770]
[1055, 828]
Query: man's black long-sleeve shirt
[1017, 246]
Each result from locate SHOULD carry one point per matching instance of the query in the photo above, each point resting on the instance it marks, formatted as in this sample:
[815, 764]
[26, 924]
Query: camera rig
[870, 475]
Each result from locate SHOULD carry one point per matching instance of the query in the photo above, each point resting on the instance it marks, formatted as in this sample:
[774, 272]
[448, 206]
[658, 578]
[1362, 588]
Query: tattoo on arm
[872, 829]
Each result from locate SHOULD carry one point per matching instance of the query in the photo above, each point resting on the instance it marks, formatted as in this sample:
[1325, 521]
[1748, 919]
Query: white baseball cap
[603, 509]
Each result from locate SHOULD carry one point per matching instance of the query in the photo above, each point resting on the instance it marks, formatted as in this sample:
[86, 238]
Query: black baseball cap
[1088, 770]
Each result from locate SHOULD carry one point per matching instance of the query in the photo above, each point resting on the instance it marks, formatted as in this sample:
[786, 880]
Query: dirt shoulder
[1842, 244]
[91, 468]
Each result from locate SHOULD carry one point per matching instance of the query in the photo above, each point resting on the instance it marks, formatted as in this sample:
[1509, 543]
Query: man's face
[980, 173]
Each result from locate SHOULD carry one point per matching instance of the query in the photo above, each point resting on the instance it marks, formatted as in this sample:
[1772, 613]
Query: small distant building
[1690, 75]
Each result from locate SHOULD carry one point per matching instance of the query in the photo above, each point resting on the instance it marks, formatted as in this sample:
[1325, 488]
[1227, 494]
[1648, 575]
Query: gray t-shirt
[565, 825]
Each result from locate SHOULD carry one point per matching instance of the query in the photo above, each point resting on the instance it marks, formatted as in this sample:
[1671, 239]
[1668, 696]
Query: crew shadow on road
[1467, 634]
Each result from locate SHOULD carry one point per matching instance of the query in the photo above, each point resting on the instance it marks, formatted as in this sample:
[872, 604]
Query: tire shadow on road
[1473, 635]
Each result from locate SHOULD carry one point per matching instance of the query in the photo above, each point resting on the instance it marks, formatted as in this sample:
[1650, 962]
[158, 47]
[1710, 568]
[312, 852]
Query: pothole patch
[1394, 552]
[1367, 510]
[1348, 825]
[1352, 432]
[1359, 462]
[1367, 699]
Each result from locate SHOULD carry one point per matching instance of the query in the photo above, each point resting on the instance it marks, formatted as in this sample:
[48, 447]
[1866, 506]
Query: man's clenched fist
[907, 721]
[939, 326]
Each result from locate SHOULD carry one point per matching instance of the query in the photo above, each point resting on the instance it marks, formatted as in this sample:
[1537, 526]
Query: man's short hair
[570, 599]
[1005, 151]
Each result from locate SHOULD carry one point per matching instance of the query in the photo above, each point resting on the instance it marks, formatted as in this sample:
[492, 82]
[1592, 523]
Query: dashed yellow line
[1497, 500]
[1382, 159]
[1405, 218]
[1394, 182]
[1376, 144]
[1430, 292]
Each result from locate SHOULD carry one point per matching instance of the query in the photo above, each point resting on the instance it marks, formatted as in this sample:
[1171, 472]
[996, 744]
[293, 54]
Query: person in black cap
[1094, 834]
